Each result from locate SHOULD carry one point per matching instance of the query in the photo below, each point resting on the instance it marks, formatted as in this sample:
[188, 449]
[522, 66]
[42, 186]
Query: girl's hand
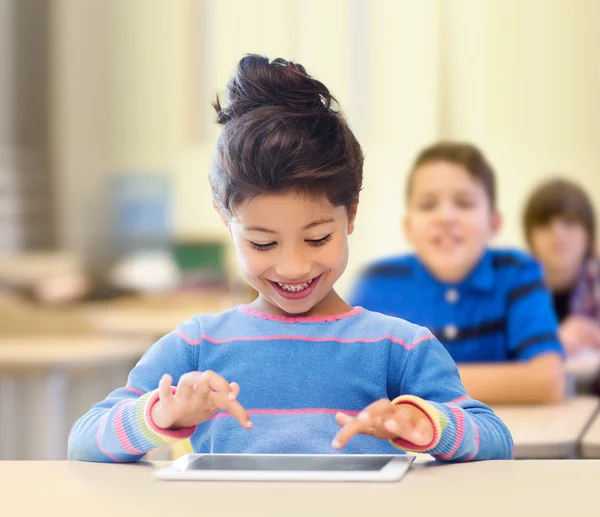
[199, 395]
[386, 421]
[579, 332]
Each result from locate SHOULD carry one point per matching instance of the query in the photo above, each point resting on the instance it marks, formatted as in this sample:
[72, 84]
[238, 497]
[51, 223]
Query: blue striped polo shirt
[500, 312]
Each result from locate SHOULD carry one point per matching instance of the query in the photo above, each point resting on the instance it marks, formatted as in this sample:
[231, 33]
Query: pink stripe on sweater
[108, 455]
[302, 411]
[311, 339]
[305, 319]
[188, 340]
[121, 433]
[426, 337]
[460, 432]
[459, 399]
[133, 390]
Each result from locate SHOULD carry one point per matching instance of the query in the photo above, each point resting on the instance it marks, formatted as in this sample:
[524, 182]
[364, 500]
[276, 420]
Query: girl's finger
[351, 428]
[217, 383]
[346, 433]
[165, 393]
[362, 423]
[377, 413]
[342, 419]
[202, 389]
[236, 410]
[235, 387]
[185, 386]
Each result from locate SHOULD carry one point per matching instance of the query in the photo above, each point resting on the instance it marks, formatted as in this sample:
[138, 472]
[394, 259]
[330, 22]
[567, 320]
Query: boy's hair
[560, 198]
[459, 153]
[281, 132]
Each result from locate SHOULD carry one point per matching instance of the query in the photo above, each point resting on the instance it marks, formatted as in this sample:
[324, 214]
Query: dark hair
[560, 198]
[459, 153]
[281, 132]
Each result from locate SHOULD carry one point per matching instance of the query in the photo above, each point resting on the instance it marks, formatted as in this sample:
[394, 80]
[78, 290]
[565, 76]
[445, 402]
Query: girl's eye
[262, 247]
[319, 242]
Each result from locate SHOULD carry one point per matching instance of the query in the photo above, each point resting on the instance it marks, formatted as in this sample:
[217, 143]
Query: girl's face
[561, 246]
[292, 249]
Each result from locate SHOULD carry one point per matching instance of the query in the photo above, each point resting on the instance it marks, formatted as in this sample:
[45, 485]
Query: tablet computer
[287, 467]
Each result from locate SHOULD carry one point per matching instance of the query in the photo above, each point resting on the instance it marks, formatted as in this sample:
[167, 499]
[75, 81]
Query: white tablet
[287, 467]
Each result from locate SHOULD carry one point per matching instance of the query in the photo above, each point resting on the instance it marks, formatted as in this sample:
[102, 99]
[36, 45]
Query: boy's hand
[199, 395]
[386, 421]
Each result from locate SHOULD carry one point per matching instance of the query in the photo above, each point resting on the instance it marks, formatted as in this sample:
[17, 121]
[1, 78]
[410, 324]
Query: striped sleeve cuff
[436, 417]
[139, 432]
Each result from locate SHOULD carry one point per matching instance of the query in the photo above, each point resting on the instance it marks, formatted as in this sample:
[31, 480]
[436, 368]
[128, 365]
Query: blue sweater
[294, 375]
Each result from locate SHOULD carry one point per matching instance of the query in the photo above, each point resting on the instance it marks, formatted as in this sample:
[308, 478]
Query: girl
[560, 227]
[298, 370]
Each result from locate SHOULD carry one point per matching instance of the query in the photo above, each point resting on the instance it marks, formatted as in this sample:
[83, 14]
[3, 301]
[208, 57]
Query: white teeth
[295, 288]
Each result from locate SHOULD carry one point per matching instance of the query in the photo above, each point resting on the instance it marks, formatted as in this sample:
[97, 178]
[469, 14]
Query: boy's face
[291, 249]
[449, 219]
[560, 245]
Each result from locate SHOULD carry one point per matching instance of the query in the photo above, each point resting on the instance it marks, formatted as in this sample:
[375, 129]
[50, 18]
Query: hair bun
[258, 83]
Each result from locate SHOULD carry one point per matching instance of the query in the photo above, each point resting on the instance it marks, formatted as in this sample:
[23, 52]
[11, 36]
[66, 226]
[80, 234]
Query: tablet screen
[289, 463]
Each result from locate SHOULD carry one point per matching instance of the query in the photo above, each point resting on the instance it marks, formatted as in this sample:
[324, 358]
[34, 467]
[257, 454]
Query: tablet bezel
[394, 470]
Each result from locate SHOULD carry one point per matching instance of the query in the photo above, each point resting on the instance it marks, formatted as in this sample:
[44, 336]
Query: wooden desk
[493, 489]
[54, 362]
[153, 316]
[39, 354]
[548, 431]
[21, 318]
[590, 445]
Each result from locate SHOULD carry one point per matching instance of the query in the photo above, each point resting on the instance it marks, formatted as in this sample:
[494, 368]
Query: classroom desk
[53, 362]
[590, 445]
[550, 431]
[153, 316]
[494, 488]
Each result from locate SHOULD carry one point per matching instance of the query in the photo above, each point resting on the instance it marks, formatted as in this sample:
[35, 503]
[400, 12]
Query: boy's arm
[540, 380]
[119, 428]
[464, 429]
[535, 372]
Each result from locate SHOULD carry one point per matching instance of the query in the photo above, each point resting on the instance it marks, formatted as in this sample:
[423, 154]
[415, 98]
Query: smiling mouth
[295, 288]
[298, 290]
[444, 242]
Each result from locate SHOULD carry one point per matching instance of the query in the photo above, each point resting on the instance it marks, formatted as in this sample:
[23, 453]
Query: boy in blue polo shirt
[489, 307]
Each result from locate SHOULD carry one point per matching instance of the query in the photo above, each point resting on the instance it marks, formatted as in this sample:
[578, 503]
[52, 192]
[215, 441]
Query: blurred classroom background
[108, 237]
